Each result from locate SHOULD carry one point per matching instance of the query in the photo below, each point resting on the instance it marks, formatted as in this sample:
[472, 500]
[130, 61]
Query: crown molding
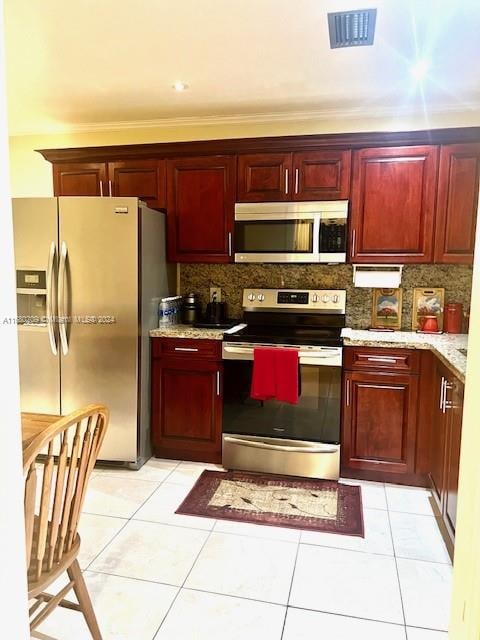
[314, 115]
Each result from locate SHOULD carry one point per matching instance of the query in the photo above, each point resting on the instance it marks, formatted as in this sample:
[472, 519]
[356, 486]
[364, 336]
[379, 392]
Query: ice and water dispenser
[31, 297]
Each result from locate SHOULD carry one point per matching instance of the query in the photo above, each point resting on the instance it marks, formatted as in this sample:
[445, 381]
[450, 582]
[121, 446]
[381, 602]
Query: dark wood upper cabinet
[313, 175]
[264, 177]
[200, 208]
[79, 179]
[379, 422]
[393, 203]
[321, 175]
[144, 179]
[457, 203]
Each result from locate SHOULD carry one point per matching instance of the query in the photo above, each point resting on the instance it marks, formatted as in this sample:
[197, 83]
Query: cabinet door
[264, 177]
[200, 206]
[457, 203]
[80, 179]
[438, 437]
[393, 200]
[379, 422]
[187, 409]
[321, 175]
[144, 179]
[454, 399]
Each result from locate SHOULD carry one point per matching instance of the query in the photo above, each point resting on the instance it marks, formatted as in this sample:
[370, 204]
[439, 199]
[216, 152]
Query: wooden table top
[33, 424]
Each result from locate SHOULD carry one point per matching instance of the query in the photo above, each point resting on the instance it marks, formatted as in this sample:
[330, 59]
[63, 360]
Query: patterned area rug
[281, 501]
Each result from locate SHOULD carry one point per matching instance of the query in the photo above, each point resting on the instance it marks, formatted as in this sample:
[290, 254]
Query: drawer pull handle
[442, 391]
[185, 349]
[382, 359]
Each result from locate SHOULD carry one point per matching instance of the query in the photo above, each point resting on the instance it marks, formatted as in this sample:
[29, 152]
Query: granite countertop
[187, 331]
[445, 346]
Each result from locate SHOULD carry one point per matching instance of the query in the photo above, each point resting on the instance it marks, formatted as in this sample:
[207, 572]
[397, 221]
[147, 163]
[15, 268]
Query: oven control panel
[292, 297]
[326, 300]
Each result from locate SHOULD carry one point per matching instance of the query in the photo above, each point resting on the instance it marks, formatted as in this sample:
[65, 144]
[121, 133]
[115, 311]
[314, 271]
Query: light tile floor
[155, 575]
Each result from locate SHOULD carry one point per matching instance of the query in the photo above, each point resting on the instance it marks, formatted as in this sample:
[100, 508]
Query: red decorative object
[430, 324]
[452, 317]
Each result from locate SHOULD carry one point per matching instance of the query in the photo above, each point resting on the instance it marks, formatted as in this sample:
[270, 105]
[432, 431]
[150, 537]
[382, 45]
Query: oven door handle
[301, 354]
[277, 447]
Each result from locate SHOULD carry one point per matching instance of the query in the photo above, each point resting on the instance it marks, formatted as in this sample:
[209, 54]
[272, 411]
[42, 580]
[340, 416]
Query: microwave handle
[316, 235]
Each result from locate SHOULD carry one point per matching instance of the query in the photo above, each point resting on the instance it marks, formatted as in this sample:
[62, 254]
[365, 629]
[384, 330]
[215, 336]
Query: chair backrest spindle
[59, 466]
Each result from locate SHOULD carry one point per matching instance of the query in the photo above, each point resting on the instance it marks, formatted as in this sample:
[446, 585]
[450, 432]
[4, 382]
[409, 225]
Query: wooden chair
[57, 465]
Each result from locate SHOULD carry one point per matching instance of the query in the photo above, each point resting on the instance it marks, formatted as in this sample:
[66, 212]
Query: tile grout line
[87, 568]
[396, 570]
[349, 616]
[291, 584]
[182, 585]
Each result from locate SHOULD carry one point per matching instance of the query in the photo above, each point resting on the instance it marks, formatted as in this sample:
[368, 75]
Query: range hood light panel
[352, 28]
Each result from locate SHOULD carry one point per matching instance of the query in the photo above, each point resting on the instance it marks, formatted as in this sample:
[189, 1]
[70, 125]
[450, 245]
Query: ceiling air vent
[351, 28]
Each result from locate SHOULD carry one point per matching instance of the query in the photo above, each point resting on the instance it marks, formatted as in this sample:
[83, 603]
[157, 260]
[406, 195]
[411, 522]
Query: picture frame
[427, 302]
[387, 309]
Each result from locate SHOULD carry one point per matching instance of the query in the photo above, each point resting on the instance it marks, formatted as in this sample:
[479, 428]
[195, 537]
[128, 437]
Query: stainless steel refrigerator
[90, 273]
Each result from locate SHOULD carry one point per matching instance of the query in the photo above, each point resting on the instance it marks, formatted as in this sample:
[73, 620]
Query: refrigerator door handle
[61, 295]
[50, 314]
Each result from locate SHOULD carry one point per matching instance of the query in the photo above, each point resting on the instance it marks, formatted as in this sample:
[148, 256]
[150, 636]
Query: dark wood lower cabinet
[187, 407]
[445, 444]
[438, 438]
[452, 459]
[379, 423]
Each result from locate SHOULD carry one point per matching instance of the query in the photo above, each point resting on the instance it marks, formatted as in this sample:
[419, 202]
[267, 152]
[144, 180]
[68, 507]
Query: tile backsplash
[233, 278]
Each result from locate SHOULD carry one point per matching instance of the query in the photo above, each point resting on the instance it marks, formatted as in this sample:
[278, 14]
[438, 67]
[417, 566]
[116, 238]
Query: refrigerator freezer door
[35, 224]
[99, 246]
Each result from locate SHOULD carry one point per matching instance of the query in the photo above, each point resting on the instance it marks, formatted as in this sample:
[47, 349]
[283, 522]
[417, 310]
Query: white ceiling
[72, 64]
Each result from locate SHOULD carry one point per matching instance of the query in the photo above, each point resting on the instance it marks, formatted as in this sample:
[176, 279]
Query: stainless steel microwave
[294, 232]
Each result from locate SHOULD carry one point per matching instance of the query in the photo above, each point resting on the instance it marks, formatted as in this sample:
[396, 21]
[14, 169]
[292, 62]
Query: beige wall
[31, 174]
[465, 623]
[13, 577]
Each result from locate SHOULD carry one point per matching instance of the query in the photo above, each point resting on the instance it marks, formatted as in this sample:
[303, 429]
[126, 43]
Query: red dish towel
[275, 374]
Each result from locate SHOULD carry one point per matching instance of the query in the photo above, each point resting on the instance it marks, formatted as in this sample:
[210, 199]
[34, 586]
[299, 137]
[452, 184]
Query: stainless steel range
[276, 437]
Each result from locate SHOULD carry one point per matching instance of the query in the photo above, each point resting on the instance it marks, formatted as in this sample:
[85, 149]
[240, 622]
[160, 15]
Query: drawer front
[187, 348]
[379, 358]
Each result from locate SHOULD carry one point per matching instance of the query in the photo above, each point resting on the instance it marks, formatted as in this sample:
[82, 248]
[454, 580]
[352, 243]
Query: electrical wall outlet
[215, 294]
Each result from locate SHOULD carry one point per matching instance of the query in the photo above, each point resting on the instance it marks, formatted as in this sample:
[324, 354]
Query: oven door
[316, 416]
